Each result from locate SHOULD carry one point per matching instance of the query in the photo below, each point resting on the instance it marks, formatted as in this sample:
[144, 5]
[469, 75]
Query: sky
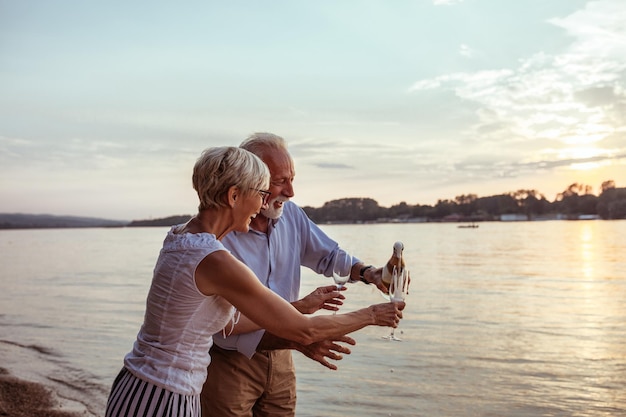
[105, 106]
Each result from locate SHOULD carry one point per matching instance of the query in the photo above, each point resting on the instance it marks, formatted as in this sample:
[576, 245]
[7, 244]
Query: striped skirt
[131, 396]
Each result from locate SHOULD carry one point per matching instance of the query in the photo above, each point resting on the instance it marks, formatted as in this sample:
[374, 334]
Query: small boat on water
[468, 226]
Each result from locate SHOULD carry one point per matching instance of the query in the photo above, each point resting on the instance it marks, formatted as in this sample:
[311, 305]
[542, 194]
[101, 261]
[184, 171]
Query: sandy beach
[30, 386]
[19, 398]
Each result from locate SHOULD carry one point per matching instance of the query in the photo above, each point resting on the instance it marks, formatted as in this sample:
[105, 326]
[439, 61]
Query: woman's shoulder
[185, 241]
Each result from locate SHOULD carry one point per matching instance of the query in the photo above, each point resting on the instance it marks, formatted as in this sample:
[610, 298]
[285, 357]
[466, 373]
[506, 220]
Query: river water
[507, 319]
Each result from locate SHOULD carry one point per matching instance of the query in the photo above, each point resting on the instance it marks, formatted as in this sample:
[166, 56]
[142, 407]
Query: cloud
[446, 2]
[575, 98]
[597, 96]
[325, 165]
[598, 29]
[487, 167]
[466, 51]
[468, 84]
[615, 141]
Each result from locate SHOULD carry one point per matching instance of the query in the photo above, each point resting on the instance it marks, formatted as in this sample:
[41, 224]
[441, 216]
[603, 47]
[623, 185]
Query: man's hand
[331, 349]
[323, 298]
[375, 276]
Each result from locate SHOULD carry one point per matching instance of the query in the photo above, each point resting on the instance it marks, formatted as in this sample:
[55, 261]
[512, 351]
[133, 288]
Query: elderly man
[251, 372]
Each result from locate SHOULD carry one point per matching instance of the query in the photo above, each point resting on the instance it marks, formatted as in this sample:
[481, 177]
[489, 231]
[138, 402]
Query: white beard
[272, 212]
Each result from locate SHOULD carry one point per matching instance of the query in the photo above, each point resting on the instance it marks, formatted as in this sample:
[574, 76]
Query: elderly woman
[198, 286]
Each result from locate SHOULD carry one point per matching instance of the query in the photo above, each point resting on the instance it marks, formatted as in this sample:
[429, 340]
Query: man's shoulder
[292, 210]
[294, 218]
[290, 206]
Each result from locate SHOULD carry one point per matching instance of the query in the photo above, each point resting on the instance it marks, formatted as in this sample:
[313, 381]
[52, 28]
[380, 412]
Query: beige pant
[261, 387]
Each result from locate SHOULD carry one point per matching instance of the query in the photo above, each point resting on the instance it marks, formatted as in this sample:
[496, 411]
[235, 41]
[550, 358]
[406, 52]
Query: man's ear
[233, 195]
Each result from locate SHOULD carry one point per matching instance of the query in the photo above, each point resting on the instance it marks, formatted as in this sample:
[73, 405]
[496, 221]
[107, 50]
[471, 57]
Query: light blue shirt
[292, 240]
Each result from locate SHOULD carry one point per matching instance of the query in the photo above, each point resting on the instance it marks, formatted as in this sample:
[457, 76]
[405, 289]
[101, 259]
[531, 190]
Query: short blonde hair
[218, 169]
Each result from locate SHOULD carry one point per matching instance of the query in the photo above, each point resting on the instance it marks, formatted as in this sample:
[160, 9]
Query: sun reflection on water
[587, 250]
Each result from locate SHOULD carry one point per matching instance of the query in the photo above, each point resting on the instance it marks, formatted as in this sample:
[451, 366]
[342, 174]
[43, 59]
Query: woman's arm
[322, 298]
[221, 274]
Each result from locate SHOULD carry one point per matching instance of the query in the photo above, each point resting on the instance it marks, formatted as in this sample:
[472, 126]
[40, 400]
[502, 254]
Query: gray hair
[260, 143]
[218, 169]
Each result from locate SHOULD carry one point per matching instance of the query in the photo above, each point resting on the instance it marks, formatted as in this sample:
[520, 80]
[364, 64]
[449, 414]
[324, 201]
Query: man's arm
[318, 351]
[322, 298]
[369, 275]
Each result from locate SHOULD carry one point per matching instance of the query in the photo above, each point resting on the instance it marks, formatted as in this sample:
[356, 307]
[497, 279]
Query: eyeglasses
[265, 195]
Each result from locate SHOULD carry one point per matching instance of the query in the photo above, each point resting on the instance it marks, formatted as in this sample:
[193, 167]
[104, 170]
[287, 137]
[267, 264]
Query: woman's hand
[388, 314]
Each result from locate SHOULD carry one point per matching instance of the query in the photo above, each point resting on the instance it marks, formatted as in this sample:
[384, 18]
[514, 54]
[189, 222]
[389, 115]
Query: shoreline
[34, 382]
[21, 398]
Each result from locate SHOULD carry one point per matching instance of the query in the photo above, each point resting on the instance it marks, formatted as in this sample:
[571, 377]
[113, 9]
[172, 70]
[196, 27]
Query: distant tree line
[575, 201]
[165, 221]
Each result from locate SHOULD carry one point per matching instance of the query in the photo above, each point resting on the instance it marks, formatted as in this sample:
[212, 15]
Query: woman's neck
[214, 221]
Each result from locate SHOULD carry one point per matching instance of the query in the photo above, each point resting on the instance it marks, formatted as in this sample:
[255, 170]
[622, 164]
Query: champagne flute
[342, 266]
[341, 269]
[398, 290]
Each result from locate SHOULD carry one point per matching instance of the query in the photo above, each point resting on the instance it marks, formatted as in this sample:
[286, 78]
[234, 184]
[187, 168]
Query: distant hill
[166, 221]
[48, 221]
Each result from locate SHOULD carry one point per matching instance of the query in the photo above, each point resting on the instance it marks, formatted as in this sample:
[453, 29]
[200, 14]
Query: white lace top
[172, 346]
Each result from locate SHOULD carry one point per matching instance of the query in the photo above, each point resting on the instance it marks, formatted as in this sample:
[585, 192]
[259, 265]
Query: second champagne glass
[398, 290]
